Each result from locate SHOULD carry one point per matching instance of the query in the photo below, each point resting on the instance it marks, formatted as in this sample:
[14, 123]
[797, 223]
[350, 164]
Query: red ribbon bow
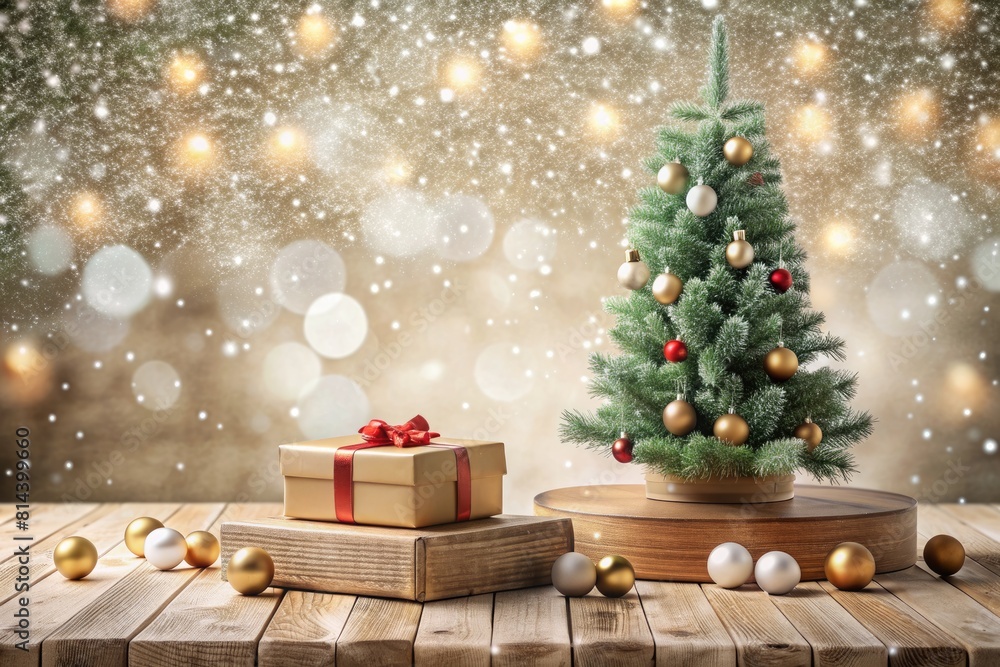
[411, 434]
[414, 433]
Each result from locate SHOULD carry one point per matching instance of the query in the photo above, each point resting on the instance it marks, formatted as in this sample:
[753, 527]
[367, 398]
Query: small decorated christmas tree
[717, 328]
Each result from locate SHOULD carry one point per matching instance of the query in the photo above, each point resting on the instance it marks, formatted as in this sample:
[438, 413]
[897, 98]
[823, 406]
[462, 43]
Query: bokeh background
[231, 225]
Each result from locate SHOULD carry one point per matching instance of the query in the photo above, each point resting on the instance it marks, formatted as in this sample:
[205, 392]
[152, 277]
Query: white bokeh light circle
[465, 227]
[92, 331]
[50, 250]
[932, 220]
[334, 405]
[260, 423]
[903, 298]
[288, 368]
[504, 372]
[491, 289]
[335, 325]
[245, 305]
[156, 385]
[341, 138]
[399, 223]
[529, 244]
[38, 161]
[304, 271]
[117, 281]
[986, 263]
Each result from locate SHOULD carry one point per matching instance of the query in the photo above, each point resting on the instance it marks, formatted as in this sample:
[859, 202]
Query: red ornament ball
[675, 350]
[622, 450]
[781, 280]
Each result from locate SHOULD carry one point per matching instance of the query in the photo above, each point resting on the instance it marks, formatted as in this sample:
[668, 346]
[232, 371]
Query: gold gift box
[407, 487]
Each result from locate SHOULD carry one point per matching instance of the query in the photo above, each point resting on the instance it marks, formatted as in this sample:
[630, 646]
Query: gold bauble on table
[615, 576]
[250, 571]
[667, 287]
[672, 178]
[739, 252]
[810, 432]
[680, 417]
[75, 557]
[850, 566]
[738, 151]
[944, 555]
[136, 532]
[731, 429]
[781, 363]
[202, 549]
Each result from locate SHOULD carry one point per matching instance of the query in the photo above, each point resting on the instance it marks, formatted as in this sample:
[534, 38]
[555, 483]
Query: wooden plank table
[126, 612]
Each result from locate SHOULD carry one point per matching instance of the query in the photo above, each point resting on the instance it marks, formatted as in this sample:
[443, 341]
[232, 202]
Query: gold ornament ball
[672, 178]
[810, 432]
[75, 557]
[944, 555]
[615, 576]
[680, 417]
[666, 288]
[781, 364]
[136, 532]
[739, 252]
[202, 549]
[738, 151]
[250, 571]
[850, 566]
[731, 429]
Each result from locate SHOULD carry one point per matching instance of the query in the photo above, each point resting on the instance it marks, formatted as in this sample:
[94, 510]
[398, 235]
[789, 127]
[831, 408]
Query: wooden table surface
[126, 612]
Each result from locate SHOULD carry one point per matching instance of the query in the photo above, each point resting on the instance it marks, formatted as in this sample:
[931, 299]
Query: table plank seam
[649, 628]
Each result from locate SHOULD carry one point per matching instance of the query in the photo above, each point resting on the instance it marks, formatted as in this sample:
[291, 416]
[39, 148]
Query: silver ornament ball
[701, 199]
[777, 573]
[633, 274]
[574, 574]
[165, 548]
[730, 565]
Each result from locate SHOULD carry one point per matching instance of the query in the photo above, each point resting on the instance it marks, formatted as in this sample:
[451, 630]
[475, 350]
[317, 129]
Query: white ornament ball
[633, 275]
[777, 573]
[165, 548]
[730, 565]
[701, 199]
[574, 574]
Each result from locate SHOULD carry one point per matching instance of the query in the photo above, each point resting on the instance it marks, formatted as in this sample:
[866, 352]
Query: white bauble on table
[777, 573]
[574, 574]
[701, 199]
[730, 565]
[165, 548]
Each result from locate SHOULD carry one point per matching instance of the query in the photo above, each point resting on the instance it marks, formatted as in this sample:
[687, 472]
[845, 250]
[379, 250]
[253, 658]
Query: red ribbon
[414, 433]
[411, 434]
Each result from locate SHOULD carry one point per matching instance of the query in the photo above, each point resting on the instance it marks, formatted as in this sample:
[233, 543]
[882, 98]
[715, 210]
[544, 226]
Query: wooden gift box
[408, 487]
[466, 558]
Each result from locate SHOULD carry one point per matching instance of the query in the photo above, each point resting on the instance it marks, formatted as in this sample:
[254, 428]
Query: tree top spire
[717, 84]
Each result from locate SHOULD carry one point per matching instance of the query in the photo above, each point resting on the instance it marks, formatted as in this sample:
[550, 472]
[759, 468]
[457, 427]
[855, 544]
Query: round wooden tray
[671, 541]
